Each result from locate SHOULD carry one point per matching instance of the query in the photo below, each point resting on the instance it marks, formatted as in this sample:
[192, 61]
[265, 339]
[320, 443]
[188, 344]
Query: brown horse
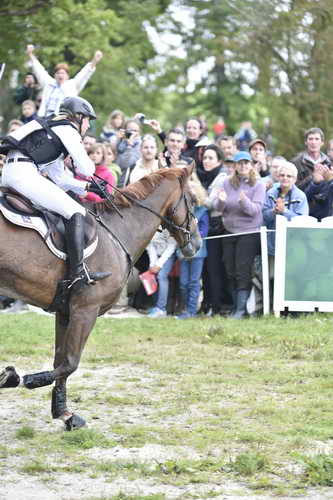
[28, 270]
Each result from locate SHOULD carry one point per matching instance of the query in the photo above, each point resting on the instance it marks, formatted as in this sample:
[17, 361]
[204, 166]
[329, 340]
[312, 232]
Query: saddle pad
[38, 224]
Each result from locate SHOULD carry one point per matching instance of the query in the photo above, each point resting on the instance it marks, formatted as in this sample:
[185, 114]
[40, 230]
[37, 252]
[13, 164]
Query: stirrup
[87, 278]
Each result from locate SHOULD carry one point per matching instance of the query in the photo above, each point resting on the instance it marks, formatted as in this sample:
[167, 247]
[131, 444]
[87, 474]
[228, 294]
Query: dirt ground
[20, 407]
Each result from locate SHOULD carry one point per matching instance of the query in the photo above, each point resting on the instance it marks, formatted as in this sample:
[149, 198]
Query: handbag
[215, 225]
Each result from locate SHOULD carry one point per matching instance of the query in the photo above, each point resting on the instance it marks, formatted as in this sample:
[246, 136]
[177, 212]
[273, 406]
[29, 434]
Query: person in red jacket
[97, 154]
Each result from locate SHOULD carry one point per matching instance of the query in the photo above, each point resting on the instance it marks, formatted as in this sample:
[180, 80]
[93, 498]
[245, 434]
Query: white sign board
[303, 278]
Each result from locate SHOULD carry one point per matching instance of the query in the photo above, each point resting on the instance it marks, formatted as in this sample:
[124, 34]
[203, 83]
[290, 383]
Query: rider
[37, 150]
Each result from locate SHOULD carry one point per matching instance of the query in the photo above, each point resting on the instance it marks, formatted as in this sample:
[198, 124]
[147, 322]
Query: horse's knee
[67, 367]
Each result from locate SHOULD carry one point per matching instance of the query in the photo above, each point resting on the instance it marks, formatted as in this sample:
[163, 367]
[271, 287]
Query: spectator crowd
[238, 185]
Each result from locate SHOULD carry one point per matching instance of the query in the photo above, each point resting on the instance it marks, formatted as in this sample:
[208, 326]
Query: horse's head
[184, 227]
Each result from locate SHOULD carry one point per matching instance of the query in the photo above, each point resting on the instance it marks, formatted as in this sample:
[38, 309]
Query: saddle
[19, 210]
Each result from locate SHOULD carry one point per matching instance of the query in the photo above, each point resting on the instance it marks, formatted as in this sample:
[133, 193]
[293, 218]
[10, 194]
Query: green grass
[252, 398]
[25, 432]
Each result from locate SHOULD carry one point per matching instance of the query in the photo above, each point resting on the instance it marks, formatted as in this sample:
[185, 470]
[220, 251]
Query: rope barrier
[235, 234]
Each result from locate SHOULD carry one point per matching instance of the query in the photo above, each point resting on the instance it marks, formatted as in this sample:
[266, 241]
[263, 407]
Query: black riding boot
[241, 312]
[78, 272]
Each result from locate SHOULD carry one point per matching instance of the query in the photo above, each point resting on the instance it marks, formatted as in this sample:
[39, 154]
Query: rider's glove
[94, 188]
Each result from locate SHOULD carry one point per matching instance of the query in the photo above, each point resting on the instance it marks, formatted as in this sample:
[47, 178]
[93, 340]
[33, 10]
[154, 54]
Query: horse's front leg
[70, 341]
[59, 399]
[73, 340]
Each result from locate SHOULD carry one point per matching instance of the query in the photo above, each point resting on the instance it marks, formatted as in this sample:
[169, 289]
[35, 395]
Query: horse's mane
[141, 189]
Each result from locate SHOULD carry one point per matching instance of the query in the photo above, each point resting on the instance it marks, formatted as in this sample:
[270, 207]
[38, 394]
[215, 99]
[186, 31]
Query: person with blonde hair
[14, 125]
[113, 125]
[240, 200]
[285, 199]
[111, 160]
[191, 269]
[28, 109]
[97, 154]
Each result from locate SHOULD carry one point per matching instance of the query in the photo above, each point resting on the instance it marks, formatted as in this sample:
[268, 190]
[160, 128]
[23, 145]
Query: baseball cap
[242, 155]
[255, 141]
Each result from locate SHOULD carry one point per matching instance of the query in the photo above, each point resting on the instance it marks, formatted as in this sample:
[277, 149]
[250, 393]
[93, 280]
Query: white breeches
[25, 178]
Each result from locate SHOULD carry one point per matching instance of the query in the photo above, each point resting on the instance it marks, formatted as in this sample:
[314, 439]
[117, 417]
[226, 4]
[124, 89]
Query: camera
[142, 119]
[128, 133]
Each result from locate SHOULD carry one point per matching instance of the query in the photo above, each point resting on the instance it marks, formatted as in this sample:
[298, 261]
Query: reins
[166, 220]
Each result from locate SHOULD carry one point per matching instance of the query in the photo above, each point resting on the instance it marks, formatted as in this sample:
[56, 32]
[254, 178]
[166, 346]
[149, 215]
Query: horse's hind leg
[9, 378]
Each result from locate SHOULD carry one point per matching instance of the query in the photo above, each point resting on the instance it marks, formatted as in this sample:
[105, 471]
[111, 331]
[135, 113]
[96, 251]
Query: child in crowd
[191, 269]
[97, 155]
[14, 125]
[162, 256]
[28, 111]
[110, 158]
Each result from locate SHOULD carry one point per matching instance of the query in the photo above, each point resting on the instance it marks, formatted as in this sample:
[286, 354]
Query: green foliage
[248, 464]
[267, 59]
[71, 31]
[38, 466]
[318, 470]
[242, 59]
[86, 439]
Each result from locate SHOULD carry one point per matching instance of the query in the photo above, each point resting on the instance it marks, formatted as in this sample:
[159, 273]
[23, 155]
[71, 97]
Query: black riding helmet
[72, 106]
[77, 108]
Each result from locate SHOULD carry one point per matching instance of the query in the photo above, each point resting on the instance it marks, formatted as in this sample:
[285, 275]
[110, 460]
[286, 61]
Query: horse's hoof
[74, 422]
[9, 378]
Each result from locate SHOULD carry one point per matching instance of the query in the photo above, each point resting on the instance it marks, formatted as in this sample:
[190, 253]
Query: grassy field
[209, 408]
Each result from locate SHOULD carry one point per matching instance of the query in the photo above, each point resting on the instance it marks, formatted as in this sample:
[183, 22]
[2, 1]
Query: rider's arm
[64, 178]
[71, 139]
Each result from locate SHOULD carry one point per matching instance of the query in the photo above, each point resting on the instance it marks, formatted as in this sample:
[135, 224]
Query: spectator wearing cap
[27, 91]
[54, 90]
[257, 150]
[240, 200]
[312, 158]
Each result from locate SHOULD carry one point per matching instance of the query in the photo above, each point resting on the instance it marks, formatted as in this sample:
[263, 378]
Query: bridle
[185, 227]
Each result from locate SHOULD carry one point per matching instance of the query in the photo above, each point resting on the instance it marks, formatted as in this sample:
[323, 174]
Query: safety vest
[36, 140]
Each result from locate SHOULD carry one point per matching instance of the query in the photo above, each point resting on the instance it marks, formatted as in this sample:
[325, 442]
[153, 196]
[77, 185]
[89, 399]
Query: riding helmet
[72, 106]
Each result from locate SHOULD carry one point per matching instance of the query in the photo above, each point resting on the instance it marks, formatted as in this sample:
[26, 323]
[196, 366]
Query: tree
[268, 59]
[71, 31]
